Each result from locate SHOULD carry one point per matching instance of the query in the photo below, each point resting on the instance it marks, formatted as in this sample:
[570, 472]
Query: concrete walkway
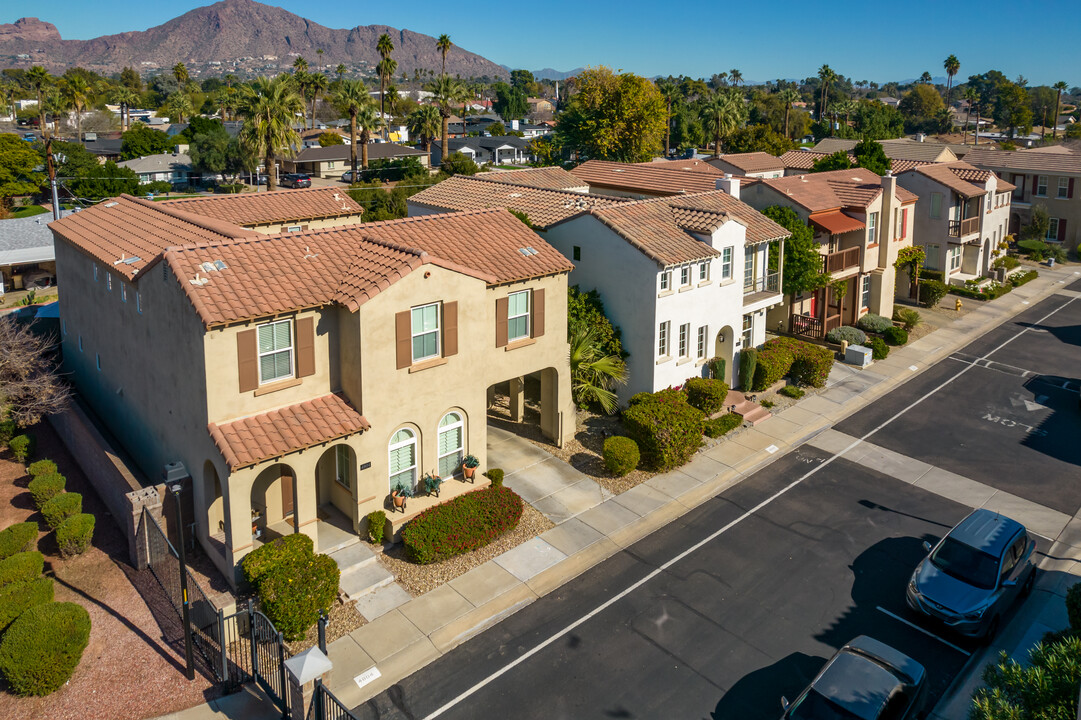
[592, 526]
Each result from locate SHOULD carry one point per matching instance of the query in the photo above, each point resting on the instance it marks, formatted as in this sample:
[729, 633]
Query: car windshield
[966, 563]
[814, 706]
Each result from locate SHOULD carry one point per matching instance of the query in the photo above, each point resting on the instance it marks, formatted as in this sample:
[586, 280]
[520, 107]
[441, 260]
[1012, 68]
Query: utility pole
[50, 167]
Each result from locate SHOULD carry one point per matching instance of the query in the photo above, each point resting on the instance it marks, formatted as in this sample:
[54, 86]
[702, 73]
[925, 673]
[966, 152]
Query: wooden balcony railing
[806, 325]
[960, 228]
[841, 260]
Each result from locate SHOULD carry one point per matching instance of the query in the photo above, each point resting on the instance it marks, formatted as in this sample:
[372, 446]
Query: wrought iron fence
[327, 707]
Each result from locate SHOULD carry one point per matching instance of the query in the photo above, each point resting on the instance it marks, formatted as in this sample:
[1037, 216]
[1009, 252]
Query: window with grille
[275, 351]
[662, 339]
[703, 333]
[403, 459]
[425, 332]
[341, 465]
[726, 264]
[684, 339]
[451, 444]
[518, 316]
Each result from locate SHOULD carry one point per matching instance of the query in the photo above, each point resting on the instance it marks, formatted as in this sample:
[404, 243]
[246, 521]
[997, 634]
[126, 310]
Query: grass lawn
[27, 211]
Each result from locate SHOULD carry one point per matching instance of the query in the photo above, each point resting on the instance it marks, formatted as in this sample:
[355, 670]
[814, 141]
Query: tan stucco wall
[311, 224]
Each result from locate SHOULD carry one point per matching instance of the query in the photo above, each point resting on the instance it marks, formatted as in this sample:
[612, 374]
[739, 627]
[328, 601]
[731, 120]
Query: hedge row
[75, 534]
[44, 488]
[807, 363]
[667, 429]
[18, 597]
[293, 582]
[21, 567]
[61, 507]
[931, 291]
[18, 538]
[463, 524]
[988, 293]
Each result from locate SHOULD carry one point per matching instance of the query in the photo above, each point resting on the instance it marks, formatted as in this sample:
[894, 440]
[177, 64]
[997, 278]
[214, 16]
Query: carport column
[557, 407]
[302, 671]
[306, 510]
[517, 399]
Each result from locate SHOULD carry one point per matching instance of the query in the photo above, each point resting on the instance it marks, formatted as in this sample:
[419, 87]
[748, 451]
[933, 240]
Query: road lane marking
[468, 692]
[926, 632]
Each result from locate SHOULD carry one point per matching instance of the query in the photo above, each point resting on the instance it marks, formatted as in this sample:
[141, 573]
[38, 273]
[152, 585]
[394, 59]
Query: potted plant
[432, 483]
[399, 494]
[469, 467]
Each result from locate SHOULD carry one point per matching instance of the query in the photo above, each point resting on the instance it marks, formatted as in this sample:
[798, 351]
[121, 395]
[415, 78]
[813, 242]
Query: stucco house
[173, 167]
[751, 164]
[297, 377]
[333, 160]
[644, 180]
[497, 150]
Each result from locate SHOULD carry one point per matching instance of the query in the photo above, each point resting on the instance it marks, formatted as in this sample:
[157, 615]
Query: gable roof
[856, 187]
[550, 178]
[163, 162]
[895, 149]
[646, 178]
[1026, 161]
[684, 164]
[376, 151]
[271, 207]
[805, 160]
[751, 161]
[27, 240]
[957, 176]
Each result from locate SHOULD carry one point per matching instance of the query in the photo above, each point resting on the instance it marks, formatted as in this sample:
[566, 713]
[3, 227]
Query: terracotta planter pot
[399, 501]
[469, 472]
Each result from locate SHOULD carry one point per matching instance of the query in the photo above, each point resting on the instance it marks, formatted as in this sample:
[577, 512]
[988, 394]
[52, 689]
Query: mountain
[238, 34]
[550, 74]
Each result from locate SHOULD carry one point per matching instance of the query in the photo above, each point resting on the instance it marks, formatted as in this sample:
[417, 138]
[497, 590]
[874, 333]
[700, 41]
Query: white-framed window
[955, 258]
[123, 291]
[865, 292]
[703, 272]
[685, 275]
[703, 333]
[518, 315]
[726, 263]
[1041, 185]
[139, 302]
[294, 228]
[872, 228]
[403, 459]
[936, 205]
[666, 280]
[275, 351]
[1052, 229]
[425, 319]
[341, 465]
[662, 338]
[748, 270]
[451, 444]
[748, 330]
[1064, 187]
[95, 271]
[330, 165]
[109, 281]
[684, 339]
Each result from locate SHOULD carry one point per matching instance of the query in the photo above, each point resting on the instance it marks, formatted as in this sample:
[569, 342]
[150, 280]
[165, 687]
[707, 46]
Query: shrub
[706, 394]
[42, 467]
[377, 525]
[18, 597]
[21, 567]
[807, 363]
[873, 323]
[18, 538]
[774, 362]
[895, 336]
[792, 391]
[639, 397]
[290, 549]
[724, 424]
[717, 368]
[1073, 607]
[666, 428]
[812, 364]
[879, 349]
[851, 335]
[8, 428]
[293, 593]
[620, 455]
[1035, 249]
[43, 647]
[496, 476]
[75, 534]
[931, 291]
[988, 292]
[909, 317]
[21, 447]
[935, 275]
[60, 507]
[45, 487]
[465, 523]
[1019, 279]
[748, 360]
[1006, 261]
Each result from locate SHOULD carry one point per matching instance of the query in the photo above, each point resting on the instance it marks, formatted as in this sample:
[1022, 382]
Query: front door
[287, 494]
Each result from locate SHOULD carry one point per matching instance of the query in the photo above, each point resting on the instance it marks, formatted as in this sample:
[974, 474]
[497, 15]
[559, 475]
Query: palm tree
[424, 124]
[385, 68]
[669, 91]
[593, 375]
[270, 106]
[724, 113]
[180, 72]
[39, 79]
[76, 91]
[970, 96]
[826, 75]
[300, 65]
[443, 45]
[788, 96]
[369, 121]
[447, 93]
[178, 106]
[351, 98]
[952, 65]
[1060, 87]
[340, 70]
[736, 76]
[316, 86]
[125, 97]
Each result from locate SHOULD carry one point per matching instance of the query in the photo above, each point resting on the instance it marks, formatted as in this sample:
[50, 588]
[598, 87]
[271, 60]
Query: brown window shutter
[403, 339]
[247, 358]
[305, 347]
[502, 306]
[1062, 230]
[538, 313]
[450, 329]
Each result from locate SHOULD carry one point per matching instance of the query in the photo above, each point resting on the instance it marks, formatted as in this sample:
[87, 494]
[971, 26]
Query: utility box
[858, 355]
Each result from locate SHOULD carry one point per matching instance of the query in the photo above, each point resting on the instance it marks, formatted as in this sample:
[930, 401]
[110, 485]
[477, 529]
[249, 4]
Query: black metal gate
[327, 707]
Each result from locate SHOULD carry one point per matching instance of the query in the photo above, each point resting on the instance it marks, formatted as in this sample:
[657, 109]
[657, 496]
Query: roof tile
[646, 178]
[271, 207]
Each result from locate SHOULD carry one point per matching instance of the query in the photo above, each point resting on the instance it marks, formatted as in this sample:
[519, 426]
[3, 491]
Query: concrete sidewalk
[397, 644]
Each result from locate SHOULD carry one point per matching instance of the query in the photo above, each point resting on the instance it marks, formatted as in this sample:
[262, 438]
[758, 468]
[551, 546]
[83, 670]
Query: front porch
[825, 309]
[450, 489]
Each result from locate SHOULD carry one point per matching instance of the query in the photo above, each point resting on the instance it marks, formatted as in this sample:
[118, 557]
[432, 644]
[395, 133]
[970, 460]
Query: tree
[723, 114]
[457, 163]
[39, 79]
[125, 97]
[869, 154]
[385, 68]
[30, 384]
[326, 139]
[972, 98]
[758, 138]
[735, 76]
[369, 121]
[951, 65]
[788, 96]
[178, 106]
[447, 92]
[510, 102]
[925, 79]
[496, 129]
[180, 72]
[77, 92]
[1059, 87]
[143, 140]
[1039, 225]
[1012, 109]
[670, 92]
[270, 107]
[524, 81]
[910, 259]
[443, 45]
[1043, 689]
[17, 176]
[424, 124]
[802, 261]
[351, 98]
[920, 106]
[586, 309]
[131, 80]
[594, 374]
[316, 84]
[548, 152]
[98, 181]
[826, 76]
[878, 121]
[613, 117]
[837, 161]
[340, 71]
[300, 65]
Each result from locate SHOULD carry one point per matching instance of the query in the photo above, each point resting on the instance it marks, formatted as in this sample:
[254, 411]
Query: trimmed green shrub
[266, 558]
[895, 336]
[463, 524]
[908, 316]
[931, 291]
[43, 647]
[21, 567]
[21, 447]
[639, 397]
[666, 428]
[748, 362]
[1006, 261]
[873, 323]
[935, 275]
[18, 597]
[717, 368]
[75, 534]
[879, 349]
[724, 424]
[292, 594]
[851, 335]
[18, 538]
[377, 525]
[812, 364]
[706, 394]
[60, 507]
[45, 487]
[792, 391]
[8, 428]
[1019, 279]
[496, 476]
[1035, 249]
[42, 467]
[989, 292]
[620, 455]
[774, 362]
[807, 363]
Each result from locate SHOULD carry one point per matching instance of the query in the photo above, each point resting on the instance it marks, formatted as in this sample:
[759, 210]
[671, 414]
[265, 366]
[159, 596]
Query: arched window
[403, 459]
[451, 443]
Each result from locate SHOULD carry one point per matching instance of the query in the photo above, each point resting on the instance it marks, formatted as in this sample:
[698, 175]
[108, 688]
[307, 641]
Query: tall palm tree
[77, 92]
[424, 124]
[1060, 87]
[125, 97]
[788, 96]
[180, 72]
[300, 65]
[447, 92]
[340, 70]
[179, 106]
[593, 374]
[39, 79]
[723, 113]
[386, 67]
[736, 76]
[271, 106]
[443, 45]
[370, 121]
[952, 65]
[317, 85]
[669, 91]
[970, 95]
[826, 75]
[351, 98]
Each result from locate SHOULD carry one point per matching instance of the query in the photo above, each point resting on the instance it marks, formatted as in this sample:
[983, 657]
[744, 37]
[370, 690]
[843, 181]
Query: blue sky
[764, 41]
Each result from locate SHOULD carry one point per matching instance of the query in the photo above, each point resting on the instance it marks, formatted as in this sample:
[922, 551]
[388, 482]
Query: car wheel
[992, 630]
[1026, 589]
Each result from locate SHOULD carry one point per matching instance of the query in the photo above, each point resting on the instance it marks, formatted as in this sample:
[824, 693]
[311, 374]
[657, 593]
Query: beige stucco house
[299, 376]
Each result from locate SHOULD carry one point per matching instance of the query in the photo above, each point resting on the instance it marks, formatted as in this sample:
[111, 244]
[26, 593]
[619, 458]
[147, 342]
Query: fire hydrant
[957, 304]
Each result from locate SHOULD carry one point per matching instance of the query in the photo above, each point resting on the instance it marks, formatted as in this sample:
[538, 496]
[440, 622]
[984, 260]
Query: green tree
[510, 102]
[340, 71]
[951, 65]
[594, 374]
[802, 261]
[39, 79]
[1012, 109]
[131, 80]
[424, 125]
[722, 115]
[920, 105]
[837, 161]
[496, 129]
[126, 98]
[758, 138]
[523, 81]
[315, 86]
[458, 164]
[788, 96]
[548, 152]
[180, 72]
[104, 181]
[143, 140]
[326, 139]
[18, 159]
[178, 106]
[447, 93]
[352, 98]
[613, 117]
[443, 45]
[1039, 225]
[869, 154]
[78, 93]
[215, 152]
[586, 309]
[825, 77]
[1045, 688]
[270, 107]
[1059, 88]
[385, 69]
[878, 121]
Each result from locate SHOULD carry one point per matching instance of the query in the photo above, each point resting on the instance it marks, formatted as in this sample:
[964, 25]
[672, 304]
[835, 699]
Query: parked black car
[296, 180]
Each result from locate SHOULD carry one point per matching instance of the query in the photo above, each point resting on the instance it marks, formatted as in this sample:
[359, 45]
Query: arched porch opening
[724, 348]
[273, 502]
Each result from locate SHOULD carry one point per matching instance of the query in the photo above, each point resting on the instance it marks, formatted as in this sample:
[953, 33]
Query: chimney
[729, 184]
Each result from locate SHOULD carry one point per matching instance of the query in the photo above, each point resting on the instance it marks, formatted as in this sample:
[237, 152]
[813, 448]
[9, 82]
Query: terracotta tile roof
[1026, 161]
[895, 149]
[957, 176]
[805, 160]
[271, 207]
[127, 227]
[697, 165]
[661, 228]
[835, 222]
[646, 178]
[856, 188]
[550, 178]
[257, 438]
[752, 161]
[544, 207]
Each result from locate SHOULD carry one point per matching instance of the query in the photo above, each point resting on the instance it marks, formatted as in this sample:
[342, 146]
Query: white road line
[926, 632]
[694, 548]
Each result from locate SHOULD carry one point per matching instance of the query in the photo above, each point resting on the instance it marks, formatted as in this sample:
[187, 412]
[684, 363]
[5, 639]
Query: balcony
[810, 326]
[841, 260]
[961, 228]
[767, 284]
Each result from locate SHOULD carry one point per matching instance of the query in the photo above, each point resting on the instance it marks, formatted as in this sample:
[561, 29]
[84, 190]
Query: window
[403, 459]
[425, 332]
[95, 272]
[518, 316]
[865, 293]
[748, 270]
[139, 302]
[80, 343]
[872, 228]
[703, 333]
[97, 359]
[109, 281]
[1052, 229]
[726, 264]
[123, 291]
[748, 330]
[1041, 185]
[330, 165]
[896, 223]
[684, 339]
[931, 263]
[275, 351]
[577, 252]
[451, 444]
[936, 205]
[341, 465]
[294, 228]
[64, 327]
[955, 258]
[666, 280]
[662, 339]
[685, 276]
[703, 272]
[1064, 187]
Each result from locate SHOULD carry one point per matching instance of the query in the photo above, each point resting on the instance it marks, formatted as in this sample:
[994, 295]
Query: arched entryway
[336, 483]
[273, 501]
[215, 502]
[724, 348]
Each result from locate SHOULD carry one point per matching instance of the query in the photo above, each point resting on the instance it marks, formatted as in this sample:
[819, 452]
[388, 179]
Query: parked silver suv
[973, 575]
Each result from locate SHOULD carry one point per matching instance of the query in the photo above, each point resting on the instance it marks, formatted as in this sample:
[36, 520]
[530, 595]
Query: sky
[876, 41]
